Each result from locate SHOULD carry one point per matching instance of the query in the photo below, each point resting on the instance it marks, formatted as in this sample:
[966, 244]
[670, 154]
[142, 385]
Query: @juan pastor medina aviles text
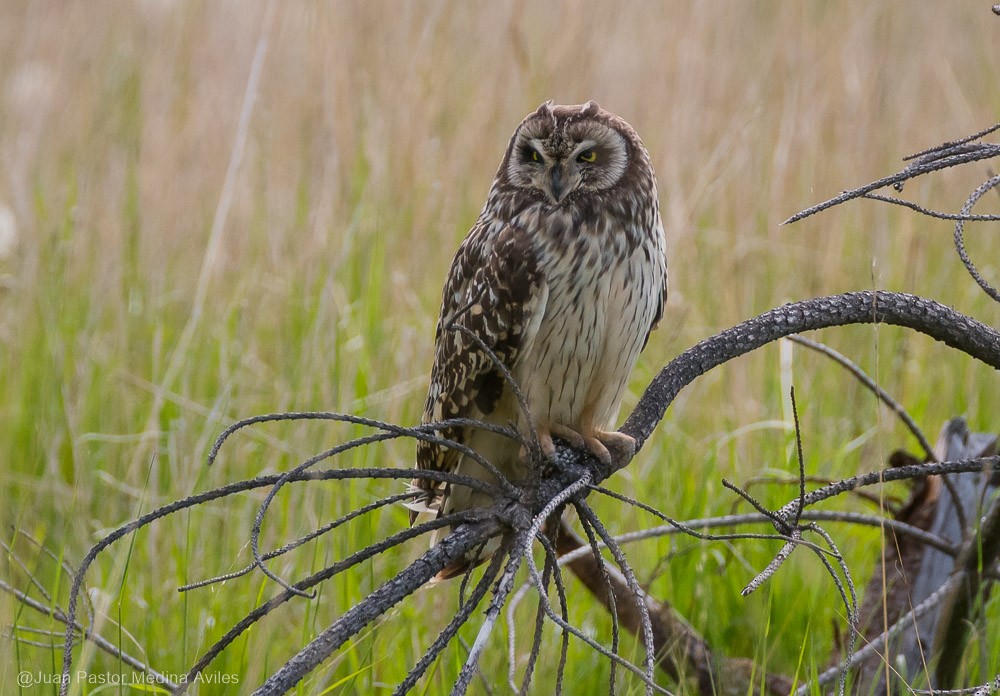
[27, 678]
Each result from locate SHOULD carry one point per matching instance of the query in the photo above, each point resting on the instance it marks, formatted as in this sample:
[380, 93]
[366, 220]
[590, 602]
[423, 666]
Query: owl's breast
[603, 294]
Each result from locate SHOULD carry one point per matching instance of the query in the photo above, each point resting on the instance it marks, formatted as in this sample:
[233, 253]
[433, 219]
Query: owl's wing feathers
[495, 291]
[658, 314]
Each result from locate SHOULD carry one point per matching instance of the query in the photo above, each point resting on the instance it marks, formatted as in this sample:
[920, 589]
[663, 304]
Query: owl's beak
[558, 183]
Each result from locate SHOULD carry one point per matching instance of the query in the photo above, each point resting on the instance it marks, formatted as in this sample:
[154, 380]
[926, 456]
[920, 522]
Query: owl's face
[561, 150]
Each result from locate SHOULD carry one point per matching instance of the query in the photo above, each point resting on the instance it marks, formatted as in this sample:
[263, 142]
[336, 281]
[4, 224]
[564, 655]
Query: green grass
[372, 141]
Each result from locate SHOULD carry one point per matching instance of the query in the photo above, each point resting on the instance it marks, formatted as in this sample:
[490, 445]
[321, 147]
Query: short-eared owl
[563, 276]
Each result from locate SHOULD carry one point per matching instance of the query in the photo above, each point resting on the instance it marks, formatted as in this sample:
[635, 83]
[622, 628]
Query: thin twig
[896, 526]
[800, 458]
[771, 568]
[88, 634]
[391, 431]
[553, 558]
[850, 603]
[927, 211]
[534, 446]
[986, 689]
[457, 621]
[947, 145]
[595, 547]
[586, 512]
[883, 396]
[448, 549]
[879, 641]
[898, 473]
[780, 523]
[942, 158]
[381, 502]
[214, 494]
[362, 555]
[981, 191]
[500, 595]
[883, 501]
[594, 645]
[550, 569]
[691, 531]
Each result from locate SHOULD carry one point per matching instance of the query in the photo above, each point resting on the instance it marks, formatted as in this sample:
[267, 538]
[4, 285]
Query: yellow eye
[528, 153]
[588, 156]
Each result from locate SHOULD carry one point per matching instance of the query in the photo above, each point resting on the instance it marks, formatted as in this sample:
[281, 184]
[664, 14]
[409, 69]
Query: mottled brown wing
[658, 314]
[494, 290]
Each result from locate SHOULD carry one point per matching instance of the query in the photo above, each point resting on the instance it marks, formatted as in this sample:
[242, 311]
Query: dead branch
[680, 650]
[868, 307]
[943, 156]
[447, 550]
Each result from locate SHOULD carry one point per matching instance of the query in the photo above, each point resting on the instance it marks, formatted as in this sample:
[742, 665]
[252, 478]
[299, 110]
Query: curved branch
[214, 494]
[981, 191]
[869, 307]
[447, 550]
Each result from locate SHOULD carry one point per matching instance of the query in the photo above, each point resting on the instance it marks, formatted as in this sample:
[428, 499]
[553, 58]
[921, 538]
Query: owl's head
[561, 150]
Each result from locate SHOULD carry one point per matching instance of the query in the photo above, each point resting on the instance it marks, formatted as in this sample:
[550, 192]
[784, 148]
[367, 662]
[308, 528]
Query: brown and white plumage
[562, 276]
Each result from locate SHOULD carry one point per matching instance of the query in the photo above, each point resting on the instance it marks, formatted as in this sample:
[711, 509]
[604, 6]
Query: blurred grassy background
[131, 333]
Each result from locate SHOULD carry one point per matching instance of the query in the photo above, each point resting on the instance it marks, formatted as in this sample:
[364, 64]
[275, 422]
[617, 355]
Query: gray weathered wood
[974, 494]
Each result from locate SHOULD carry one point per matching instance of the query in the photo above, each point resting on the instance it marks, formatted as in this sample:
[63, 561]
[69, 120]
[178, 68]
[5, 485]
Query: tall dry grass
[371, 142]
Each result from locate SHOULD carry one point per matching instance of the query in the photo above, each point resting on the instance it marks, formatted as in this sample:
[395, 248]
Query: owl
[563, 276]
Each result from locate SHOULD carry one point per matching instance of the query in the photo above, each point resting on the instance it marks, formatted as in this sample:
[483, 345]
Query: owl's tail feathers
[429, 501]
[425, 501]
[472, 559]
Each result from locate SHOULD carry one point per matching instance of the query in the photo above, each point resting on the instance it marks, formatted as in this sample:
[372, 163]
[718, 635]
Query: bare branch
[88, 634]
[960, 242]
[449, 549]
[932, 160]
[926, 316]
[460, 618]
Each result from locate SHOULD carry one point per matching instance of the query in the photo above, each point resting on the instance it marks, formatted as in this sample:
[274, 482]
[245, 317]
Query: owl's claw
[617, 448]
[574, 438]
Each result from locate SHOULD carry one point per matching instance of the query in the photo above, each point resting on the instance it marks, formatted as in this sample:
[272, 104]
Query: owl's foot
[545, 434]
[611, 448]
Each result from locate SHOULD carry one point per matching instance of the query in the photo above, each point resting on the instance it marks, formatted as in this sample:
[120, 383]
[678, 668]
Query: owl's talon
[597, 448]
[545, 442]
[617, 448]
[575, 439]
